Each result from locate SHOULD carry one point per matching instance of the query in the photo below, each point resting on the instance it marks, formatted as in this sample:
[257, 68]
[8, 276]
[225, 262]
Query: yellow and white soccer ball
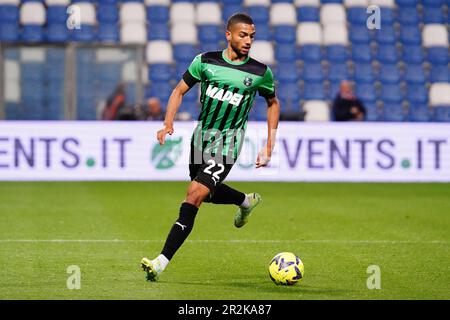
[286, 269]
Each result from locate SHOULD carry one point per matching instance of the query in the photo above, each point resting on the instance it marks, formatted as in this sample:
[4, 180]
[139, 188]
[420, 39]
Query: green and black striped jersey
[228, 90]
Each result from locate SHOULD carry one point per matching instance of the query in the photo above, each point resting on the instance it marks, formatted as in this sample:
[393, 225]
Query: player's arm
[190, 78]
[273, 116]
[172, 107]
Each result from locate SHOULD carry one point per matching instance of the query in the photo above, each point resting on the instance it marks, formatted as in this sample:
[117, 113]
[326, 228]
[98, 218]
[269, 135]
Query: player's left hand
[263, 158]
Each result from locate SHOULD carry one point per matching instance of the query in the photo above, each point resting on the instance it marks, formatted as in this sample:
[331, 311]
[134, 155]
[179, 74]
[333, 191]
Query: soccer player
[229, 81]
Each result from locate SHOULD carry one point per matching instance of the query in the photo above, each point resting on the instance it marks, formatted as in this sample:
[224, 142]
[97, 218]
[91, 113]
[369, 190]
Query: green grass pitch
[337, 229]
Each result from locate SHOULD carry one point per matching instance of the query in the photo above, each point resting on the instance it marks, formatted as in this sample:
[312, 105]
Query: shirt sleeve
[267, 87]
[194, 73]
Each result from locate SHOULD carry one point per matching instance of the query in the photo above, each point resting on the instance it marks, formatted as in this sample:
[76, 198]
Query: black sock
[180, 230]
[226, 195]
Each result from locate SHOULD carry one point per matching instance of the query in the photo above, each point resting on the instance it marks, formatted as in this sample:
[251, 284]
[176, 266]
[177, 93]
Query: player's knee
[196, 195]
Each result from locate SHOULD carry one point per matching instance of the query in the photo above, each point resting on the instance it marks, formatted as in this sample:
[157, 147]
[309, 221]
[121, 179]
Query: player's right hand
[161, 134]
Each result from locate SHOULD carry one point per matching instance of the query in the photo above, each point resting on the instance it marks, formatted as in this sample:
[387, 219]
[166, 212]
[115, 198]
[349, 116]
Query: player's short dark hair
[239, 18]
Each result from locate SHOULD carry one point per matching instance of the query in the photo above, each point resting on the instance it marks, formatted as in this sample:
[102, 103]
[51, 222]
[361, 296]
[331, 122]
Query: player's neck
[233, 56]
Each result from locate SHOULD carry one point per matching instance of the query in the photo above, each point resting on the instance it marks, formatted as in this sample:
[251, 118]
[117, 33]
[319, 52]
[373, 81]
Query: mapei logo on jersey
[222, 95]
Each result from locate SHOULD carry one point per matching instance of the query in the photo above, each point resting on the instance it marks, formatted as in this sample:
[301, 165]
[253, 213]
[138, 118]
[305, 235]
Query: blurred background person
[153, 110]
[114, 104]
[346, 106]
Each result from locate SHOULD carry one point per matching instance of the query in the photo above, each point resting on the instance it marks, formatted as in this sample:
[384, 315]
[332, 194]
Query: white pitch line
[249, 241]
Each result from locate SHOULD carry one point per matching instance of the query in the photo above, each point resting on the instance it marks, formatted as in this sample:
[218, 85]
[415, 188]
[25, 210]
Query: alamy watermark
[374, 280]
[74, 280]
[374, 20]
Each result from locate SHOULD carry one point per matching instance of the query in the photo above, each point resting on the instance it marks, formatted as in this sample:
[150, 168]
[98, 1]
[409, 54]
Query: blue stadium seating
[230, 9]
[441, 114]
[337, 53]
[357, 15]
[32, 33]
[86, 33]
[418, 113]
[388, 73]
[308, 14]
[417, 94]
[184, 52]
[359, 34]
[439, 73]
[337, 72]
[56, 14]
[391, 93]
[362, 53]
[410, 35]
[57, 32]
[414, 74]
[9, 32]
[407, 3]
[433, 15]
[313, 91]
[158, 31]
[366, 92]
[158, 14]
[264, 31]
[393, 112]
[387, 53]
[209, 33]
[108, 32]
[260, 14]
[286, 72]
[312, 72]
[363, 73]
[311, 53]
[285, 52]
[386, 35]
[160, 72]
[408, 16]
[413, 54]
[432, 3]
[107, 13]
[9, 13]
[284, 34]
[437, 55]
[388, 16]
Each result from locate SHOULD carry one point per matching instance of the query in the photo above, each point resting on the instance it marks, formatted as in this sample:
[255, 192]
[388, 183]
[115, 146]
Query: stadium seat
[159, 51]
[313, 91]
[286, 72]
[308, 14]
[157, 13]
[208, 13]
[182, 12]
[87, 30]
[284, 34]
[32, 18]
[290, 93]
[160, 89]
[108, 13]
[407, 3]
[332, 13]
[439, 95]
[363, 73]
[230, 9]
[391, 93]
[337, 53]
[438, 55]
[108, 32]
[412, 54]
[259, 13]
[417, 94]
[209, 33]
[434, 35]
[366, 92]
[439, 73]
[408, 16]
[132, 12]
[184, 51]
[418, 112]
[183, 33]
[57, 32]
[441, 114]
[311, 53]
[56, 13]
[393, 112]
[385, 35]
[158, 31]
[9, 32]
[432, 3]
[312, 72]
[361, 53]
[283, 14]
[285, 52]
[387, 53]
[388, 74]
[433, 15]
[160, 72]
[414, 74]
[133, 33]
[263, 52]
[410, 35]
[9, 11]
[337, 72]
[335, 34]
[316, 110]
[359, 34]
[357, 14]
[372, 113]
[388, 12]
[309, 33]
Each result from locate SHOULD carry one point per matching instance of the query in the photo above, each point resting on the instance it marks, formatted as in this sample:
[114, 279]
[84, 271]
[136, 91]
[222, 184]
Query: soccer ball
[286, 269]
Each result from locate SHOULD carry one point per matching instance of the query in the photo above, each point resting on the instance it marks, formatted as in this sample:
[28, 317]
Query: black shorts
[210, 171]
